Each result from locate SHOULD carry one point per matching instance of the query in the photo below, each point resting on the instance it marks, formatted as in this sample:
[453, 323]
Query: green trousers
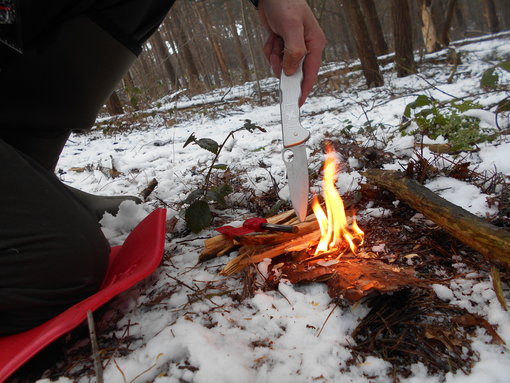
[52, 251]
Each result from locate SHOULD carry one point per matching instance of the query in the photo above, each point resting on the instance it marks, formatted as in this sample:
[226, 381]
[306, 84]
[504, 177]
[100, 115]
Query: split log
[216, 247]
[256, 254]
[222, 244]
[489, 240]
[264, 238]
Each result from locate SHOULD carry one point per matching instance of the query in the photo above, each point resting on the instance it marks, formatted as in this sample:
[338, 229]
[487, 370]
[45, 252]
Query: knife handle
[280, 228]
[290, 92]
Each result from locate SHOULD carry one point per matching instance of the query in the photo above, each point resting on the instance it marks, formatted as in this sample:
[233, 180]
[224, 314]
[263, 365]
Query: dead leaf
[472, 320]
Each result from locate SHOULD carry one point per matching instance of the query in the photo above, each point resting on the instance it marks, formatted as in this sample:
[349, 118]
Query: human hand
[294, 34]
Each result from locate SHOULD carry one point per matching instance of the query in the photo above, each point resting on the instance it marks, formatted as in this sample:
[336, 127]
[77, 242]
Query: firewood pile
[355, 276]
[351, 277]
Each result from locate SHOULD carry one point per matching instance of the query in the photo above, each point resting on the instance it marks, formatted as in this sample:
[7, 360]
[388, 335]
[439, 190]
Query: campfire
[333, 224]
[326, 247]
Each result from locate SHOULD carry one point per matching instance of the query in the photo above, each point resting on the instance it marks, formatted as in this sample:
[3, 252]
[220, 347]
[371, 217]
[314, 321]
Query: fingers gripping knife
[294, 139]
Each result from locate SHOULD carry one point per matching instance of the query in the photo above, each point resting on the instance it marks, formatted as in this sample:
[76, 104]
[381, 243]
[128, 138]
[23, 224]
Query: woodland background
[208, 44]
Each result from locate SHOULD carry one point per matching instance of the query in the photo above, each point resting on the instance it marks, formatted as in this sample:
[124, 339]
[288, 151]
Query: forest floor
[446, 126]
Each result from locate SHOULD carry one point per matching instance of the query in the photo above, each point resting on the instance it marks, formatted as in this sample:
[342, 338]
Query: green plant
[198, 214]
[434, 119]
[491, 77]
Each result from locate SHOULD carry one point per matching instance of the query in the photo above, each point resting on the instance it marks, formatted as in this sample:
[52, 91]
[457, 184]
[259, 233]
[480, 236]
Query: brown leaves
[472, 320]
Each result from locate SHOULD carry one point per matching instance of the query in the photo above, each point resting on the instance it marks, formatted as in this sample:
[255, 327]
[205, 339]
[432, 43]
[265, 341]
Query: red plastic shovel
[140, 254]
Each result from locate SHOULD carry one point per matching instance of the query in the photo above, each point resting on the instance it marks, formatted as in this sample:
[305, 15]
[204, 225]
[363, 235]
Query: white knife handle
[290, 92]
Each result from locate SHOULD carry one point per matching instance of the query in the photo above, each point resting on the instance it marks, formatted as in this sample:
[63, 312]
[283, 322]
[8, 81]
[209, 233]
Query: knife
[294, 138]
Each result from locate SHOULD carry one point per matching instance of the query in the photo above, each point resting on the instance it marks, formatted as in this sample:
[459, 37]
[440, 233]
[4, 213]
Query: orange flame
[335, 230]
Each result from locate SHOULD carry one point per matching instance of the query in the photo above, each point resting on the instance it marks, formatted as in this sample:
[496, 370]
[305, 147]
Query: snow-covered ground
[200, 331]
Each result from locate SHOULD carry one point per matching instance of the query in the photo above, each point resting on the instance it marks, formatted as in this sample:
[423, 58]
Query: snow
[495, 158]
[117, 228]
[443, 292]
[462, 194]
[200, 332]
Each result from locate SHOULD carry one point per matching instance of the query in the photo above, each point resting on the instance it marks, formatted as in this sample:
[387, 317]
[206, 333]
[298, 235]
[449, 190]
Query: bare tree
[428, 26]
[366, 53]
[445, 38]
[243, 63]
[164, 55]
[183, 47]
[214, 41]
[347, 40]
[403, 36]
[252, 54]
[113, 105]
[504, 7]
[374, 27]
[208, 42]
[491, 16]
[130, 89]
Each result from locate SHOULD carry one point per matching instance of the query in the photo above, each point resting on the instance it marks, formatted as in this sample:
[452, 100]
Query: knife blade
[294, 139]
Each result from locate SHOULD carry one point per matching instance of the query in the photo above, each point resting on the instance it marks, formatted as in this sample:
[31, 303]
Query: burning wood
[324, 248]
[325, 231]
[351, 278]
[327, 244]
[335, 230]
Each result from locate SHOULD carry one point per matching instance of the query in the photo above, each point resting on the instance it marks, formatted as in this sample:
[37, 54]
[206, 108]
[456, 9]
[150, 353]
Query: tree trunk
[162, 51]
[374, 27]
[428, 27]
[460, 19]
[260, 34]
[366, 53]
[130, 89]
[489, 11]
[504, 6]
[403, 35]
[252, 54]
[185, 51]
[205, 57]
[346, 37]
[445, 38]
[113, 105]
[213, 39]
[179, 71]
[243, 63]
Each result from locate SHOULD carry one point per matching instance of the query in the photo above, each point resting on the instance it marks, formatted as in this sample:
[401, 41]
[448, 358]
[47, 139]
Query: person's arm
[294, 34]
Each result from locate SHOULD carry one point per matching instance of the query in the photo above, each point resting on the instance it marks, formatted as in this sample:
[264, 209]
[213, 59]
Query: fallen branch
[149, 189]
[489, 240]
